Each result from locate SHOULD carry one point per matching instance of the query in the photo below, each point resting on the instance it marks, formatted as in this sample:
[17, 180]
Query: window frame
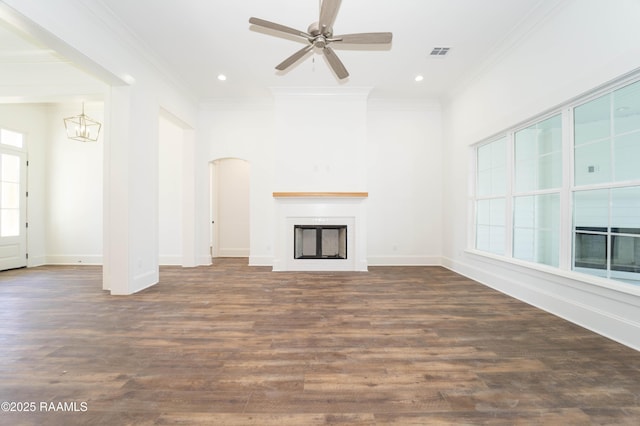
[492, 195]
[566, 191]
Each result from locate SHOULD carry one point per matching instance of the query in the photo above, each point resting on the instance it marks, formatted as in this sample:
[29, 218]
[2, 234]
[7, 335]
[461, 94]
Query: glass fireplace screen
[320, 241]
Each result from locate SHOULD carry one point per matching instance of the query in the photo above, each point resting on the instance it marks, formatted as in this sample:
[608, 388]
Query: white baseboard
[610, 313]
[404, 260]
[72, 260]
[34, 261]
[204, 260]
[141, 282]
[170, 260]
[260, 260]
[370, 261]
[233, 252]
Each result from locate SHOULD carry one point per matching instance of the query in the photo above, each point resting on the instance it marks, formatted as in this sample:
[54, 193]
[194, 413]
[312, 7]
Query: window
[9, 195]
[14, 139]
[536, 204]
[524, 184]
[538, 156]
[492, 175]
[607, 232]
[536, 228]
[606, 216]
[11, 143]
[491, 187]
[607, 138]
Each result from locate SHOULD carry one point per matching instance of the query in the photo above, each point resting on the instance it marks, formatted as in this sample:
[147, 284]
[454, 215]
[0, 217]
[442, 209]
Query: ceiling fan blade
[364, 38]
[335, 63]
[328, 13]
[294, 58]
[273, 26]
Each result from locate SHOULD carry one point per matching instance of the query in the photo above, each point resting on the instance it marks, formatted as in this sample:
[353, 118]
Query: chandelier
[82, 128]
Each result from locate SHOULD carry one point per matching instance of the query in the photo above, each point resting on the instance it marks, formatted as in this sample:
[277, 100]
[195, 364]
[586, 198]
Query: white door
[13, 201]
[230, 208]
[213, 207]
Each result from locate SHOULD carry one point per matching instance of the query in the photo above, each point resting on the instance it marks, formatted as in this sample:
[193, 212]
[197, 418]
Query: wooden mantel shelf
[320, 194]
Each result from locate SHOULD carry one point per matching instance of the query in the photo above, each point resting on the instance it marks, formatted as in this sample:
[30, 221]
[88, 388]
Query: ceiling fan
[320, 35]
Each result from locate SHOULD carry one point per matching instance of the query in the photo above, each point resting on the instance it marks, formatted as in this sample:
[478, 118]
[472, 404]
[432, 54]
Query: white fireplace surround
[320, 209]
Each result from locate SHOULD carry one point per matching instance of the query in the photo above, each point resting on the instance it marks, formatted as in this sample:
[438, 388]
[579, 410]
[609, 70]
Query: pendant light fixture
[82, 128]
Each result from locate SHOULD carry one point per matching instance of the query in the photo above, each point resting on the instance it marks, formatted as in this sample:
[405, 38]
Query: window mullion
[566, 203]
[510, 187]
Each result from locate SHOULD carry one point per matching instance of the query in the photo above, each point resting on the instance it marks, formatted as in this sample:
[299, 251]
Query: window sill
[576, 277]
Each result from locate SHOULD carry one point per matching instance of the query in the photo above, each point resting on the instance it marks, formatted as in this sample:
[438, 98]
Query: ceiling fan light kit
[320, 35]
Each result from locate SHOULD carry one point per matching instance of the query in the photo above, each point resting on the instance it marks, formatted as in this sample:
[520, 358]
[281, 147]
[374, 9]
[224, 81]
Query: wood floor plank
[236, 345]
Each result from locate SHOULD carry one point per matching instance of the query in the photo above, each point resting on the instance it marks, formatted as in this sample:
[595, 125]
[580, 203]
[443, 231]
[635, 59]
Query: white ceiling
[31, 72]
[195, 40]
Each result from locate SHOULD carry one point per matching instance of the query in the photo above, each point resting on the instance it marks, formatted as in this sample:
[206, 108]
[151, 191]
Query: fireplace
[320, 242]
[320, 231]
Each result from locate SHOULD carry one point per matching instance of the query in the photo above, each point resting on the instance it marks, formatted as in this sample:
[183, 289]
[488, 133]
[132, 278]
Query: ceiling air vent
[439, 51]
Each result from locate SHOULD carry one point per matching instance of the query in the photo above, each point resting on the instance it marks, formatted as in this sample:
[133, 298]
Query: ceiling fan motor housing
[314, 30]
[320, 41]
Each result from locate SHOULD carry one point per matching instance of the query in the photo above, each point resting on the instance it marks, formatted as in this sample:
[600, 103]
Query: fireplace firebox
[320, 241]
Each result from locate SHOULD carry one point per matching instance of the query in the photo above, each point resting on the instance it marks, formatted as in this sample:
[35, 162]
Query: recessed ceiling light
[419, 78]
[222, 77]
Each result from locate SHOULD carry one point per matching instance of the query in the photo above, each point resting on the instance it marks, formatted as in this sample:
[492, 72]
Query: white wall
[584, 44]
[74, 190]
[404, 169]
[170, 208]
[398, 161]
[243, 130]
[132, 106]
[321, 139]
[64, 208]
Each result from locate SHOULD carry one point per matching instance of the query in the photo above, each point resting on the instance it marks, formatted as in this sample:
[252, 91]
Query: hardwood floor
[234, 345]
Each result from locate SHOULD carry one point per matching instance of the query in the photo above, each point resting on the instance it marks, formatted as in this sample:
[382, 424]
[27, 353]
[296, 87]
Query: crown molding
[114, 25]
[511, 40]
[359, 92]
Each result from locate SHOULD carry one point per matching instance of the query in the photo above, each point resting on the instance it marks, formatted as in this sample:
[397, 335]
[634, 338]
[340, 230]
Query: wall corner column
[130, 259]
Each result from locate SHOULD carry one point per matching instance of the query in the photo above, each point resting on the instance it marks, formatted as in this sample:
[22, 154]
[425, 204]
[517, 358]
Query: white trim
[260, 260]
[592, 280]
[511, 41]
[571, 296]
[350, 211]
[35, 261]
[617, 83]
[78, 259]
[566, 198]
[404, 260]
[143, 281]
[568, 188]
[170, 260]
[509, 188]
[233, 252]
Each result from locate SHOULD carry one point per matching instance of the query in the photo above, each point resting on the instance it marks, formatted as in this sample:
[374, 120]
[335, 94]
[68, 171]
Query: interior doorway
[229, 210]
[176, 200]
[170, 194]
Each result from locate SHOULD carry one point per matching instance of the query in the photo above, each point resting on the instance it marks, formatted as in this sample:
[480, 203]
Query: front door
[13, 200]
